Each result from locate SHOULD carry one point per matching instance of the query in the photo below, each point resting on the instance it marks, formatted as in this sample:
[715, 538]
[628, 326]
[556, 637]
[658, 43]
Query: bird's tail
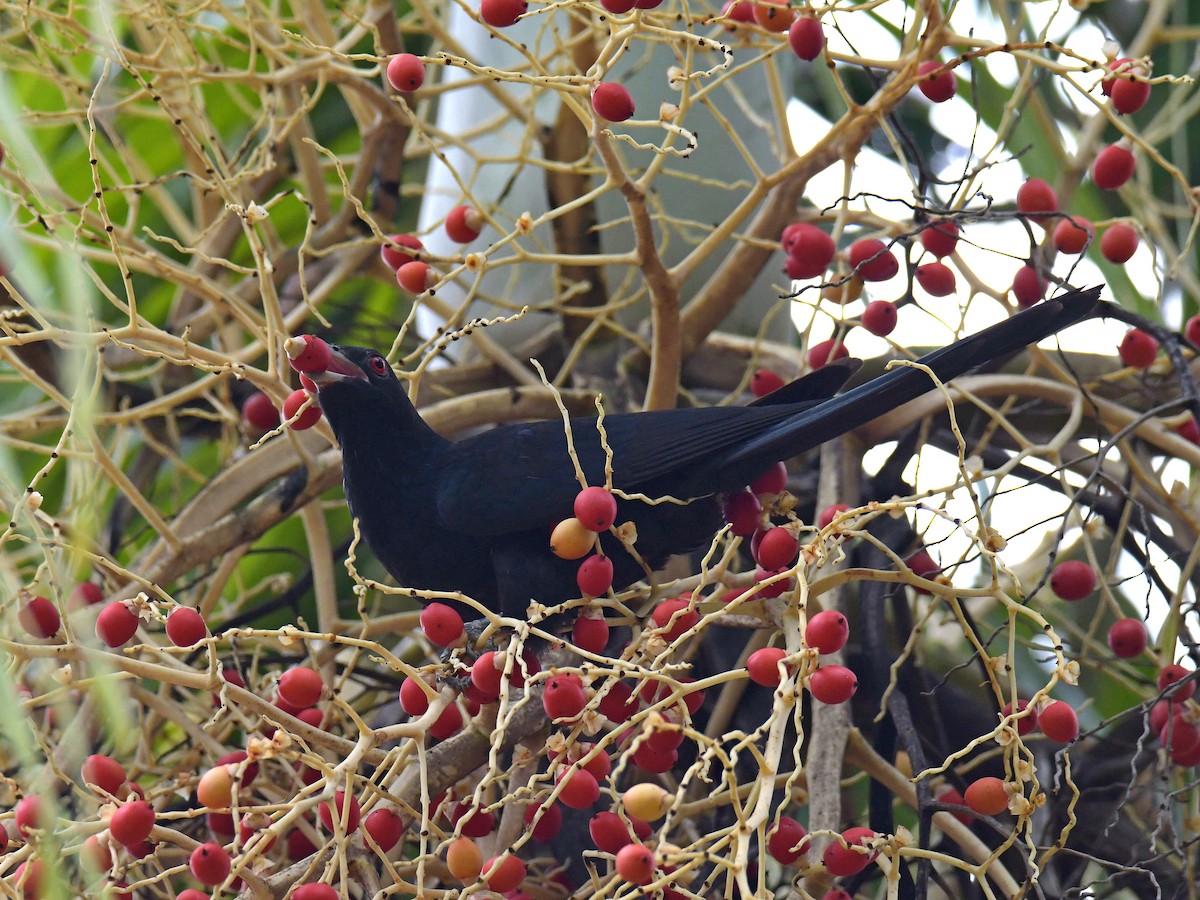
[868, 401]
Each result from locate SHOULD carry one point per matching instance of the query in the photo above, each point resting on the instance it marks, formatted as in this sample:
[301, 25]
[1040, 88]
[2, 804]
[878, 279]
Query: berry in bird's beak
[307, 353]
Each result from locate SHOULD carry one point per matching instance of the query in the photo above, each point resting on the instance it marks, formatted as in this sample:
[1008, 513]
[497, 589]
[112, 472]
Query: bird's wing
[539, 481]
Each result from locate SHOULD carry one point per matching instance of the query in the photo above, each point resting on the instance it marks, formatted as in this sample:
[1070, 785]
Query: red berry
[940, 238]
[397, 258]
[810, 247]
[416, 277]
[504, 873]
[210, 864]
[737, 11]
[822, 353]
[742, 511]
[564, 698]
[1172, 675]
[827, 632]
[665, 617]
[1118, 243]
[116, 625]
[1180, 737]
[297, 420]
[590, 633]
[922, 564]
[344, 807]
[609, 832]
[314, 357]
[1138, 349]
[618, 704]
[1073, 579]
[463, 224]
[763, 665]
[844, 861]
[1028, 286]
[185, 627]
[449, 723]
[547, 827]
[1026, 723]
[872, 260]
[131, 823]
[833, 684]
[86, 593]
[95, 856]
[405, 72]
[778, 549]
[837, 894]
[1120, 66]
[596, 508]
[1073, 234]
[940, 87]
[502, 13]
[30, 814]
[301, 686]
[31, 876]
[314, 891]
[986, 796]
[40, 618]
[635, 864]
[936, 279]
[1036, 197]
[486, 675]
[773, 15]
[579, 788]
[618, 7]
[1112, 167]
[787, 841]
[773, 481]
[441, 624]
[1189, 430]
[259, 412]
[385, 828]
[1128, 638]
[1192, 331]
[595, 576]
[612, 102]
[1128, 96]
[807, 37]
[103, 772]
[1059, 722]
[829, 513]
[764, 381]
[880, 317]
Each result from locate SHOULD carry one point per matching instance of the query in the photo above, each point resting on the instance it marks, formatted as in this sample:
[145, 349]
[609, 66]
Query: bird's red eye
[379, 364]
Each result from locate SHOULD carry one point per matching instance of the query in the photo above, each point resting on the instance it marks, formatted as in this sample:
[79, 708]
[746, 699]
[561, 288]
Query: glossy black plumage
[474, 515]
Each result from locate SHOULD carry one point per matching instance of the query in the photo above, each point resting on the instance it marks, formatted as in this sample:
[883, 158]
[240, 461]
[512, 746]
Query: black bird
[475, 515]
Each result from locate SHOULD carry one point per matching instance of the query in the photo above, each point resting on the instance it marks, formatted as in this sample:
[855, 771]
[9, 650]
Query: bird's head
[361, 395]
[348, 365]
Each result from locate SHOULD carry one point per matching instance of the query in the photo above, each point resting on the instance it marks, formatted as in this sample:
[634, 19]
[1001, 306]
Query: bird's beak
[339, 369]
